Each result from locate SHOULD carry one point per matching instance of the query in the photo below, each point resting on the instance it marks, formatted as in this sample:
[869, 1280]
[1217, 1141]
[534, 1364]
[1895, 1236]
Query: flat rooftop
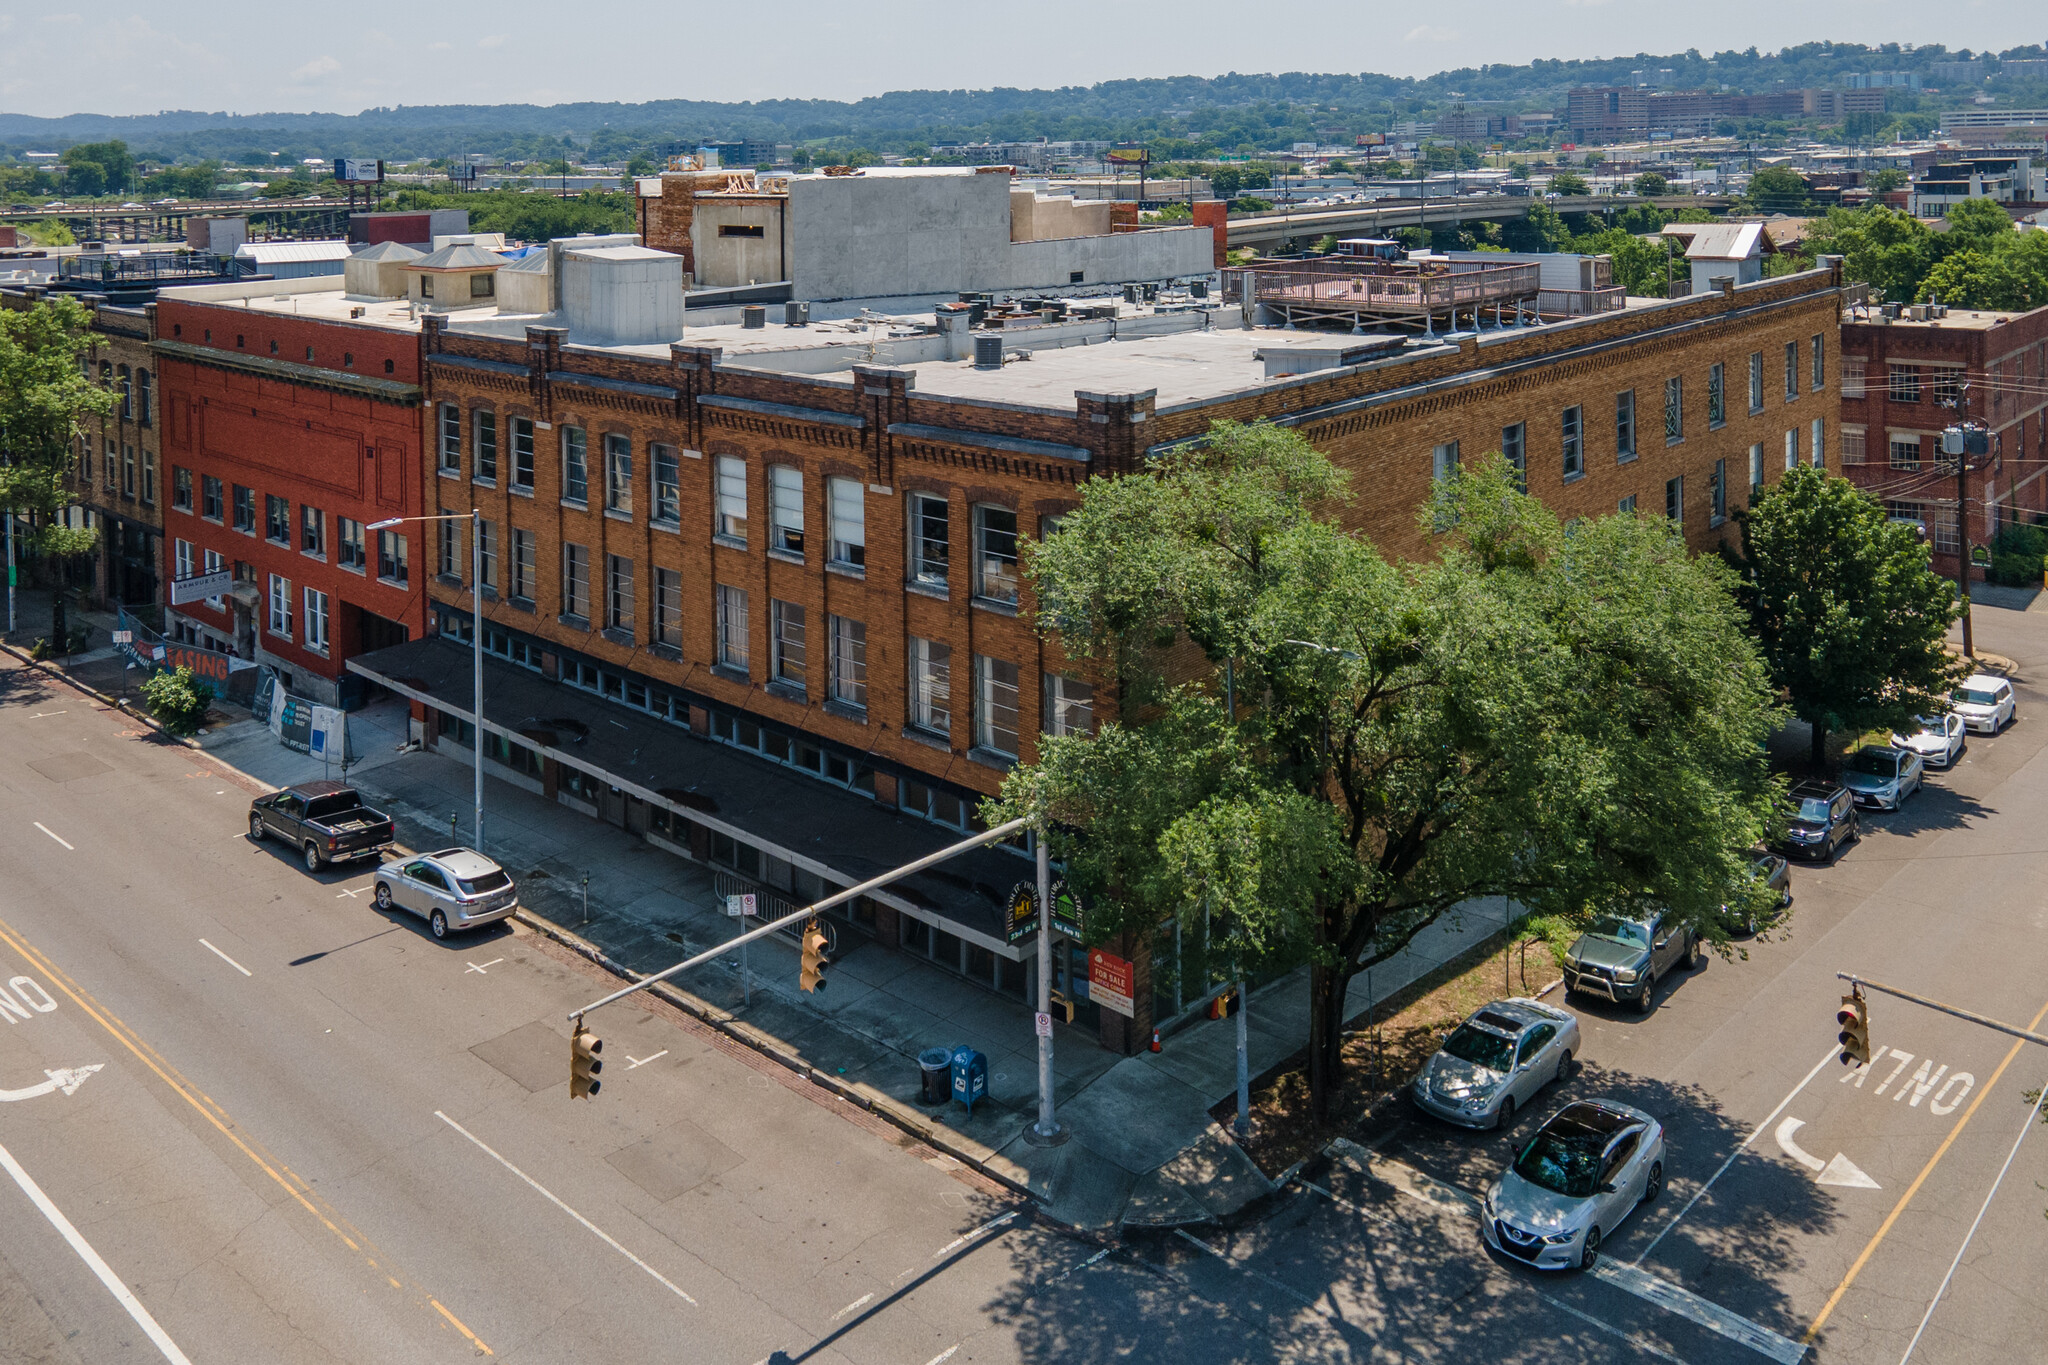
[1957, 320]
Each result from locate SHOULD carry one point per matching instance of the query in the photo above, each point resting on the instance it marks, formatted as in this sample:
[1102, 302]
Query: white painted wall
[622, 295]
[1123, 258]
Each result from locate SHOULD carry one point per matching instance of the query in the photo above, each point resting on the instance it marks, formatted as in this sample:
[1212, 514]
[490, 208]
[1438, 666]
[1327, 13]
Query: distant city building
[2002, 180]
[1882, 80]
[1956, 72]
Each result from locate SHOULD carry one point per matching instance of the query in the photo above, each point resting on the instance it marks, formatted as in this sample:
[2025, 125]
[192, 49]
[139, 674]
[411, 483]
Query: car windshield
[1621, 931]
[1565, 1157]
[494, 880]
[1813, 810]
[1481, 1048]
[1977, 696]
[1876, 762]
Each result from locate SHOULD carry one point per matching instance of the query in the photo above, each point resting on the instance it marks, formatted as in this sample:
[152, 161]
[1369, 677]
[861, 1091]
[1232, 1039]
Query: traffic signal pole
[1048, 1129]
[2013, 1029]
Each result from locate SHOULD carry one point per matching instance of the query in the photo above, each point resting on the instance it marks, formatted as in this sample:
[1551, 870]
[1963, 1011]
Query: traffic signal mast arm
[2013, 1029]
[996, 835]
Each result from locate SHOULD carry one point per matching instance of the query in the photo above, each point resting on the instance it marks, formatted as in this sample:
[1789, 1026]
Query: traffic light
[583, 1062]
[813, 978]
[1854, 1019]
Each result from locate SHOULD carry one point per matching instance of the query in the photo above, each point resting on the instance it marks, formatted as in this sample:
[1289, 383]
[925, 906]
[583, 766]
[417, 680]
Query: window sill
[990, 604]
[573, 621]
[1575, 477]
[521, 490]
[674, 528]
[937, 590]
[482, 482]
[1757, 410]
[619, 635]
[858, 571]
[524, 604]
[729, 542]
[788, 691]
[989, 758]
[846, 710]
[1670, 441]
[214, 521]
[928, 738]
[273, 540]
[576, 504]
[732, 674]
[1716, 426]
[400, 583]
[448, 580]
[1626, 457]
[317, 556]
[668, 652]
[618, 514]
[786, 556]
[355, 569]
[186, 510]
[450, 473]
[249, 532]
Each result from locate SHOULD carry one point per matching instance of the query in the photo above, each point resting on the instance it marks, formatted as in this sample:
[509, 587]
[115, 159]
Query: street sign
[737, 906]
[200, 586]
[1020, 917]
[1042, 1025]
[124, 637]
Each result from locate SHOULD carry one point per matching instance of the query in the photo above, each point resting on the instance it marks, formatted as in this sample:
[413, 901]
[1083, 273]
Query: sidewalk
[1142, 1148]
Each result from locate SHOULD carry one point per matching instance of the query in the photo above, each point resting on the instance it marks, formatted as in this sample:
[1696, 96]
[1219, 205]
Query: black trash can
[935, 1067]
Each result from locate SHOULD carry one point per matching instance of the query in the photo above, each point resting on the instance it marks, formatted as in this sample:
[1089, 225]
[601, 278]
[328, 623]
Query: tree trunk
[1326, 989]
[1819, 759]
[59, 627]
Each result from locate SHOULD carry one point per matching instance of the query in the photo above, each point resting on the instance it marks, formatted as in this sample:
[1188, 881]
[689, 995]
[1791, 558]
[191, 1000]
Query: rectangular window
[668, 496]
[1818, 371]
[576, 581]
[1816, 446]
[786, 657]
[449, 540]
[149, 477]
[1791, 370]
[1852, 447]
[245, 509]
[1572, 428]
[1756, 381]
[1624, 426]
[182, 558]
[849, 661]
[732, 627]
[618, 473]
[348, 541]
[1720, 491]
[1069, 706]
[277, 519]
[1443, 462]
[731, 476]
[280, 606]
[1791, 450]
[85, 460]
[145, 413]
[1674, 499]
[931, 674]
[668, 608]
[1756, 468]
[847, 500]
[1944, 386]
[181, 488]
[1674, 411]
[1854, 374]
[930, 538]
[995, 705]
[487, 551]
[213, 561]
[522, 453]
[1514, 448]
[785, 509]
[312, 529]
[1717, 411]
[618, 592]
[110, 468]
[1627, 506]
[128, 471]
[995, 554]
[316, 620]
[575, 465]
[394, 558]
[483, 426]
[451, 439]
[523, 562]
[1904, 383]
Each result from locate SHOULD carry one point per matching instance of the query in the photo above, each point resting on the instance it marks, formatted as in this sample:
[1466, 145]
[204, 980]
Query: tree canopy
[1980, 261]
[44, 398]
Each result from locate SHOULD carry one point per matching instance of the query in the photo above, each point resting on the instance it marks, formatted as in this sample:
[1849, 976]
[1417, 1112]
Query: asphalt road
[316, 1134]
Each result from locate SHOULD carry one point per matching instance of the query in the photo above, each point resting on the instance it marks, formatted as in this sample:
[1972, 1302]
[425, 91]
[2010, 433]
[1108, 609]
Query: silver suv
[455, 888]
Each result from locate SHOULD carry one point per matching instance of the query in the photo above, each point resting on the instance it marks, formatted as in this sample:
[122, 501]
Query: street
[293, 1128]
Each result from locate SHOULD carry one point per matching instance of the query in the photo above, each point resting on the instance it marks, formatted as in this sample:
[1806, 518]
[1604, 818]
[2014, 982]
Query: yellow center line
[212, 1112]
[1918, 1181]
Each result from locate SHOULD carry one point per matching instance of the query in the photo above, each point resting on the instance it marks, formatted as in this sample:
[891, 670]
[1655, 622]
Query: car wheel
[256, 827]
[314, 862]
[1589, 1254]
[1506, 1115]
[1564, 1067]
[1654, 1186]
[383, 896]
[1696, 956]
[1648, 1001]
[438, 922]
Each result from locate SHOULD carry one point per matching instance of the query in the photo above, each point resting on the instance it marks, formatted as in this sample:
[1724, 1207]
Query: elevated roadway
[1383, 216]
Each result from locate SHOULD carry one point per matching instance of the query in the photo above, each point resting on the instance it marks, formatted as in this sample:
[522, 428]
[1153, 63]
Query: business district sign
[1020, 914]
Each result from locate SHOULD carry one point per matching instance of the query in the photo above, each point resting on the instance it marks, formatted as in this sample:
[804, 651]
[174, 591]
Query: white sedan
[1938, 741]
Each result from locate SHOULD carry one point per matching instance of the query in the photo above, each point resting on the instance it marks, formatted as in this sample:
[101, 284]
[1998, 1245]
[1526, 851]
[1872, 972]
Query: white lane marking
[549, 1195]
[66, 1079]
[1793, 1149]
[351, 895]
[53, 834]
[42, 714]
[99, 1267]
[632, 1061]
[225, 958]
[480, 970]
[1608, 1327]
[964, 1238]
[1697, 1194]
[1073, 1268]
[1840, 1171]
[942, 1357]
[865, 1298]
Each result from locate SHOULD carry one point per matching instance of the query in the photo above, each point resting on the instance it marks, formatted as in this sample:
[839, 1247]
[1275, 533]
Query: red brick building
[1905, 378]
[285, 432]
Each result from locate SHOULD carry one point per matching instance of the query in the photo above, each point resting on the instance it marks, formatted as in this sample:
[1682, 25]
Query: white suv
[1985, 702]
[456, 888]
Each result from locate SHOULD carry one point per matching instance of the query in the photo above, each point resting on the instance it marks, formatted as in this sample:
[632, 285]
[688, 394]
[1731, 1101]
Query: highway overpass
[1268, 231]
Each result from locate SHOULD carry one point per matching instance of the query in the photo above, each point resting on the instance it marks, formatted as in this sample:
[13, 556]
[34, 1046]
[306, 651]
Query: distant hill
[1218, 111]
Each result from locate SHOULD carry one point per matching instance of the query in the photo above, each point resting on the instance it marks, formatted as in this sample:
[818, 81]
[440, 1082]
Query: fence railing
[1322, 288]
[1572, 303]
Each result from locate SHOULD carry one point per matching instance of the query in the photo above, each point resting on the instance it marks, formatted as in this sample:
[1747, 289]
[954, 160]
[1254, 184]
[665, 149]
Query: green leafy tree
[1850, 616]
[1225, 181]
[1889, 250]
[1886, 180]
[1650, 183]
[1778, 189]
[113, 167]
[1569, 182]
[1567, 720]
[177, 698]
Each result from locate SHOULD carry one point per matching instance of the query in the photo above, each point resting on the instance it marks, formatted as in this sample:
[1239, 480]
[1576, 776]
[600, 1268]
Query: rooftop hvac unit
[988, 351]
[796, 314]
[753, 317]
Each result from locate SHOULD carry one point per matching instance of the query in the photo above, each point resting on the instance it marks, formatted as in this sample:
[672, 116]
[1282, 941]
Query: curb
[861, 1095]
[112, 703]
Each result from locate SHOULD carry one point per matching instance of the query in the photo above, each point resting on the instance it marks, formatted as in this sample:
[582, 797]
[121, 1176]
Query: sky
[288, 55]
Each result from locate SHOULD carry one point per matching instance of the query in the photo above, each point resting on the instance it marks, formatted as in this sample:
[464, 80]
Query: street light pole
[1048, 1128]
[476, 599]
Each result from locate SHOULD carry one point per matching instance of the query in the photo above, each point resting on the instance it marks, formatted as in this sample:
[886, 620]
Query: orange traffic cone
[1155, 1040]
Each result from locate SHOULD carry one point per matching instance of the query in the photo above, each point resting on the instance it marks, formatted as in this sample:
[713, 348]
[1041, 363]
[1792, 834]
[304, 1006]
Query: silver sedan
[1495, 1062]
[1587, 1168]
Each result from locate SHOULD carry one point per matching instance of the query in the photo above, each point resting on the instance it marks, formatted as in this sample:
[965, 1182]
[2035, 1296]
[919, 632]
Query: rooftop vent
[753, 317]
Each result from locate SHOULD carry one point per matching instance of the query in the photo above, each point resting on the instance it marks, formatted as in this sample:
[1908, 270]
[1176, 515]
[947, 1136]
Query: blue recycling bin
[970, 1077]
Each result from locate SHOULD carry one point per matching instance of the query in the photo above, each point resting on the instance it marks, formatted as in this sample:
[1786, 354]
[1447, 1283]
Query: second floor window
[1674, 410]
[618, 592]
[245, 509]
[995, 554]
[732, 627]
[522, 565]
[930, 539]
[1818, 369]
[1625, 425]
[394, 558]
[1717, 410]
[280, 606]
[522, 453]
[312, 530]
[1905, 383]
[787, 653]
[668, 608]
[731, 493]
[1069, 706]
[995, 705]
[931, 682]
[181, 488]
[1720, 490]
[1791, 370]
[849, 522]
[451, 439]
[849, 661]
[785, 509]
[483, 423]
[1573, 433]
[575, 465]
[348, 541]
[1514, 449]
[277, 519]
[1756, 381]
[210, 508]
[667, 484]
[487, 552]
[576, 581]
[618, 473]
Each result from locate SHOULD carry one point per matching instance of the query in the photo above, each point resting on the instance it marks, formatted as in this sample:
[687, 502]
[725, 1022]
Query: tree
[1778, 189]
[1225, 181]
[44, 398]
[1650, 183]
[1569, 182]
[1886, 180]
[115, 167]
[1849, 613]
[1567, 720]
[177, 698]
[1887, 249]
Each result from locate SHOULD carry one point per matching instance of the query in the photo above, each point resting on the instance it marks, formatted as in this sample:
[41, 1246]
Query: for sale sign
[1111, 981]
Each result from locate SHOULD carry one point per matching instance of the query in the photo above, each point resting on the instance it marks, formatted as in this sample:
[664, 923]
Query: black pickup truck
[325, 821]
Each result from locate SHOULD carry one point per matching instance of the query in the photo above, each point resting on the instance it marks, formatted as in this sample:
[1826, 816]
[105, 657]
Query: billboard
[349, 170]
[1128, 156]
[1371, 140]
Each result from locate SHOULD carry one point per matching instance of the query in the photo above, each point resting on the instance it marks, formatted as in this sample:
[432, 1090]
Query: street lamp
[475, 517]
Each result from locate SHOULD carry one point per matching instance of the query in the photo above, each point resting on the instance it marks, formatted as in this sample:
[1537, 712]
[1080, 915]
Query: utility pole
[1047, 1130]
[1956, 441]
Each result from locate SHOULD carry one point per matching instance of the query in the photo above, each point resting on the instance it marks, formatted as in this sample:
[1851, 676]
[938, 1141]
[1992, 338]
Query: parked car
[1587, 1168]
[1939, 740]
[1495, 1062]
[1985, 702]
[1821, 817]
[326, 821]
[1882, 777]
[1776, 875]
[456, 888]
[1624, 958]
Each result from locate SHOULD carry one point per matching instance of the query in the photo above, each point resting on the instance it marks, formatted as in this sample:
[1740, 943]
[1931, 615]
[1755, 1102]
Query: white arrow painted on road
[67, 1079]
[1840, 1171]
